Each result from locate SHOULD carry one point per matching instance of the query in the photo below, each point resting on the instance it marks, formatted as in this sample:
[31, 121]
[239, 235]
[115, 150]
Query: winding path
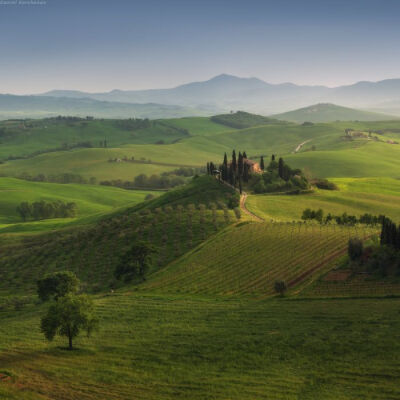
[242, 203]
[300, 146]
[243, 198]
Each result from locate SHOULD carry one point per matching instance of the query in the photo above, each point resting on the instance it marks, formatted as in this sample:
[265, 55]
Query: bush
[355, 249]
[325, 184]
[280, 287]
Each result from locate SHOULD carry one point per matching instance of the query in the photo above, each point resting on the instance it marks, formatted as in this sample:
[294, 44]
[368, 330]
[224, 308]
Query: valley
[207, 320]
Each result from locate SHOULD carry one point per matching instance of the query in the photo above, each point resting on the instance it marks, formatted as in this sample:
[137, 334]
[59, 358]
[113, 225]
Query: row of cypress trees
[238, 170]
[235, 172]
[390, 234]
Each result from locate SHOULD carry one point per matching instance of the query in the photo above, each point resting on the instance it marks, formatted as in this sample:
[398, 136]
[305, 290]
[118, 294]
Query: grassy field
[204, 141]
[92, 201]
[169, 347]
[355, 196]
[199, 126]
[21, 138]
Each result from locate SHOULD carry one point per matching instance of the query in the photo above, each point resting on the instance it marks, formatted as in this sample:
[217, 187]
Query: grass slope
[91, 201]
[356, 196]
[169, 347]
[241, 119]
[198, 126]
[370, 160]
[21, 138]
[334, 156]
[174, 222]
[326, 112]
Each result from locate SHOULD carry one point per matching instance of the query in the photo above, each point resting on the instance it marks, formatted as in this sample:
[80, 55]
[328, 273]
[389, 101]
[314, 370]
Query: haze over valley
[200, 200]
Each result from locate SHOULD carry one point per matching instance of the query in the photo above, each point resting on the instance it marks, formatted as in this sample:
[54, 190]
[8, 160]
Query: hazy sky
[97, 45]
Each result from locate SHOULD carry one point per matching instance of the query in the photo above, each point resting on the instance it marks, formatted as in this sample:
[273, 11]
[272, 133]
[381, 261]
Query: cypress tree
[383, 232]
[280, 167]
[231, 177]
[244, 155]
[398, 238]
[212, 168]
[225, 160]
[262, 166]
[240, 185]
[246, 172]
[240, 164]
[273, 157]
[234, 165]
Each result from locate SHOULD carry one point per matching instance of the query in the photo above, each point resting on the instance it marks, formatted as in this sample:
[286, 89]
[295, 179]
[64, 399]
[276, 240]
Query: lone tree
[68, 316]
[280, 287]
[135, 262]
[57, 285]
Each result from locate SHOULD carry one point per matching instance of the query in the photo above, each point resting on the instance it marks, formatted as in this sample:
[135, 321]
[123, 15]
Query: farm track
[242, 203]
[297, 149]
[243, 198]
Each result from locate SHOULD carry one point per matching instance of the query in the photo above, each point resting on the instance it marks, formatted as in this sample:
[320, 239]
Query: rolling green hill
[324, 148]
[355, 197]
[25, 137]
[93, 201]
[241, 120]
[175, 222]
[326, 112]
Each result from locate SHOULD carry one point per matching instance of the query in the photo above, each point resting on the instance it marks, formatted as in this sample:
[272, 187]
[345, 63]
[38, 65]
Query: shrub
[355, 249]
[280, 287]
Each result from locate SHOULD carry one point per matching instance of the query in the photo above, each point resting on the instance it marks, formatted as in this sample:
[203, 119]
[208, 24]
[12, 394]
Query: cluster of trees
[44, 210]
[147, 182]
[69, 313]
[135, 262]
[325, 184]
[235, 172]
[57, 178]
[241, 119]
[133, 124]
[132, 159]
[383, 259]
[166, 180]
[343, 219]
[390, 234]
[278, 177]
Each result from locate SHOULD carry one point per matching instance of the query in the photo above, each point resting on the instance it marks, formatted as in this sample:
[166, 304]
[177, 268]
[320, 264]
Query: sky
[98, 45]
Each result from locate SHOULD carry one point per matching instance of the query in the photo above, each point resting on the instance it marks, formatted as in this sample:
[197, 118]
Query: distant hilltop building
[254, 167]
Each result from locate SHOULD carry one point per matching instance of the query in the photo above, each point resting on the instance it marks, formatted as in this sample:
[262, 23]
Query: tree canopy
[69, 316]
[57, 285]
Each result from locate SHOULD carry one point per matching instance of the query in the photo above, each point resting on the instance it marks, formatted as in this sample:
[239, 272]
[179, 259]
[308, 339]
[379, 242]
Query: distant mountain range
[226, 92]
[46, 106]
[326, 112]
[222, 93]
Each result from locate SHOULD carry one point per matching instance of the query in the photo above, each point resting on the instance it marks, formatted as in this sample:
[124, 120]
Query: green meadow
[355, 196]
[190, 347]
[93, 201]
[324, 154]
